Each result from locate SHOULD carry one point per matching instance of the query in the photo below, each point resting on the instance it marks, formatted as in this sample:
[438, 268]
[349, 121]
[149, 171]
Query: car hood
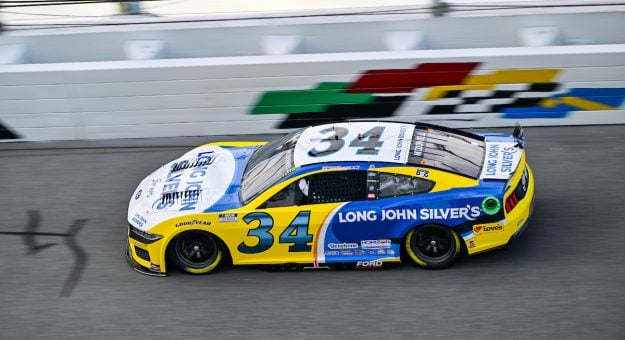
[204, 179]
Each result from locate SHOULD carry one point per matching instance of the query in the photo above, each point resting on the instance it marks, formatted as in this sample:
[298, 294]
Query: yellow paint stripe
[584, 104]
[438, 92]
[549, 102]
[514, 77]
[489, 81]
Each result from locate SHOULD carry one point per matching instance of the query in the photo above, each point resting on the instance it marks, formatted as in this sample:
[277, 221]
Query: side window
[291, 195]
[340, 186]
[329, 187]
[393, 185]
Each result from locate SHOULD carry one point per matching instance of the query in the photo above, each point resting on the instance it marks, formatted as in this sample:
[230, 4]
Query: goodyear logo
[487, 228]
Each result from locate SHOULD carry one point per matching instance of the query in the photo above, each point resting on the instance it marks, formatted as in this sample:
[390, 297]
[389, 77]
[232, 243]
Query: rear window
[445, 150]
[394, 185]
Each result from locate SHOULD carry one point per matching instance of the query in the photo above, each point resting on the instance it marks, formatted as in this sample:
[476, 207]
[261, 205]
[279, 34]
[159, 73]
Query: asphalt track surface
[63, 273]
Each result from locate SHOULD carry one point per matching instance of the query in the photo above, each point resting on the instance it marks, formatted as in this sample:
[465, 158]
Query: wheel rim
[196, 249]
[433, 243]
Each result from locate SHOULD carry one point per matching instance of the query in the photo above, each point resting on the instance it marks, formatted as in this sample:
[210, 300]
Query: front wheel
[196, 252]
[433, 246]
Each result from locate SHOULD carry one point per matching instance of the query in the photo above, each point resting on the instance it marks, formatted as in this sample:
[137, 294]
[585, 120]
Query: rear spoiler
[519, 135]
[467, 134]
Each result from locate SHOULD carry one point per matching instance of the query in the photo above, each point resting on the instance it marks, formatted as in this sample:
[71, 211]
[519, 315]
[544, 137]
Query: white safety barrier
[546, 85]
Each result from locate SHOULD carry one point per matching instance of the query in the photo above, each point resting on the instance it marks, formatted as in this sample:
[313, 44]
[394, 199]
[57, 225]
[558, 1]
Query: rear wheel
[196, 252]
[433, 246]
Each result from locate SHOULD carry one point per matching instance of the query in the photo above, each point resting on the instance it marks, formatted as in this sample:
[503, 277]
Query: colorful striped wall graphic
[444, 88]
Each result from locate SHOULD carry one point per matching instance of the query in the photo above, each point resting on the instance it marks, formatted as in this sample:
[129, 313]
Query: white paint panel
[500, 160]
[209, 183]
[354, 141]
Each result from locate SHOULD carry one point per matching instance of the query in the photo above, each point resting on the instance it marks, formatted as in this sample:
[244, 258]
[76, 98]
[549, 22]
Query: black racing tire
[196, 252]
[433, 246]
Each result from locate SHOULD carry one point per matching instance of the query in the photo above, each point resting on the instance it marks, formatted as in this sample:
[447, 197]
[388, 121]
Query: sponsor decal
[375, 244]
[227, 218]
[359, 252]
[399, 145]
[139, 220]
[332, 252]
[423, 172]
[192, 222]
[347, 252]
[190, 196]
[369, 264]
[203, 159]
[340, 167]
[468, 213]
[138, 194]
[381, 252]
[390, 251]
[152, 188]
[342, 245]
[357, 216]
[487, 227]
[471, 244]
[371, 252]
[155, 267]
[500, 160]
[419, 143]
[520, 221]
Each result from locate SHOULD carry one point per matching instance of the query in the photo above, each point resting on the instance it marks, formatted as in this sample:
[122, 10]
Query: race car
[360, 194]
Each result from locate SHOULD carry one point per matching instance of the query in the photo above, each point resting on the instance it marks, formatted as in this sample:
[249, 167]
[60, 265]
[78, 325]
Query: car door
[372, 228]
[289, 226]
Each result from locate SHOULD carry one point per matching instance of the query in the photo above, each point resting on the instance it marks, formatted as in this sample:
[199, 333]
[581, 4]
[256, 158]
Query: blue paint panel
[608, 96]
[614, 97]
[535, 112]
[392, 218]
[231, 199]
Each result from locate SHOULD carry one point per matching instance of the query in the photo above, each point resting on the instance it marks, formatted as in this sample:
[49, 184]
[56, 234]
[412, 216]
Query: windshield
[268, 165]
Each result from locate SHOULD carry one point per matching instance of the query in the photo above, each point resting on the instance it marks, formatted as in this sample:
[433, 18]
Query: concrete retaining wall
[494, 86]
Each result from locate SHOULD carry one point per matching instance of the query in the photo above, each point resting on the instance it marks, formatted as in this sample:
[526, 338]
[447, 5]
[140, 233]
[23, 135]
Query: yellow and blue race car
[361, 194]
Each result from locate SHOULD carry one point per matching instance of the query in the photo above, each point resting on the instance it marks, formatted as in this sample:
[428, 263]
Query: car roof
[360, 141]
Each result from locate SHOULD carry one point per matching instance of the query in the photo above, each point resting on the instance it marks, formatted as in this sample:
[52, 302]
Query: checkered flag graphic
[495, 100]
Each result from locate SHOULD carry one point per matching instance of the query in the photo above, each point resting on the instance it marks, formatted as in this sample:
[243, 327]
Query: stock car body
[363, 194]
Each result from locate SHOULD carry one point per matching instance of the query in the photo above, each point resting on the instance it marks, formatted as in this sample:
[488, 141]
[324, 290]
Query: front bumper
[137, 266]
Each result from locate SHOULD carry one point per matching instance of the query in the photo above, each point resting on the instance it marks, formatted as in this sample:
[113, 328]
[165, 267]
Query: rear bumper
[527, 222]
[506, 230]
